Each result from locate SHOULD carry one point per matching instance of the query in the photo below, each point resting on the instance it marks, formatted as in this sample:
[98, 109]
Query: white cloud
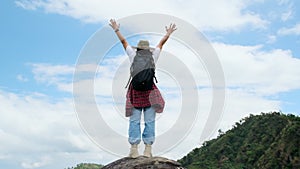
[283, 2]
[50, 70]
[288, 9]
[249, 75]
[22, 78]
[287, 15]
[34, 130]
[295, 30]
[240, 103]
[271, 39]
[86, 67]
[29, 5]
[231, 15]
[37, 164]
[56, 75]
[253, 69]
[4, 156]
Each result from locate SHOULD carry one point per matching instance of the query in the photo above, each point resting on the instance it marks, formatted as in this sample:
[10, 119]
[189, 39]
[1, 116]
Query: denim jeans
[135, 126]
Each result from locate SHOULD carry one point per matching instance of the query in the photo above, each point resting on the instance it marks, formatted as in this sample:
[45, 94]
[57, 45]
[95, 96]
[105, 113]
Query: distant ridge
[266, 141]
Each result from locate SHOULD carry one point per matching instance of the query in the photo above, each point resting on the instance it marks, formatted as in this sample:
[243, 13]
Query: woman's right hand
[114, 24]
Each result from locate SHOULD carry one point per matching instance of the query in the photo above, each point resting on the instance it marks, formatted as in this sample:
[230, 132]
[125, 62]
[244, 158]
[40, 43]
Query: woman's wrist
[116, 30]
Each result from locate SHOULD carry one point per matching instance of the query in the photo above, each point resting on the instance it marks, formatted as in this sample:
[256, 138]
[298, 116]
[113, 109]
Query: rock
[143, 162]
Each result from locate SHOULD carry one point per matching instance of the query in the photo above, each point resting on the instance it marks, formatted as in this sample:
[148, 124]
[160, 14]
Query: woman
[149, 102]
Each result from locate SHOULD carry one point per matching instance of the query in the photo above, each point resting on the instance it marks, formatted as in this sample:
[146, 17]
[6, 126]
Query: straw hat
[143, 44]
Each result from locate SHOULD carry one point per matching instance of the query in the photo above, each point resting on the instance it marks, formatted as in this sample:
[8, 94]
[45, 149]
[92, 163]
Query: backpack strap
[128, 82]
[155, 79]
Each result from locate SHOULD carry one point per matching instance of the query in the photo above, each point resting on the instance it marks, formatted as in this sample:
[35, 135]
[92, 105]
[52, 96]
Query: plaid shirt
[142, 99]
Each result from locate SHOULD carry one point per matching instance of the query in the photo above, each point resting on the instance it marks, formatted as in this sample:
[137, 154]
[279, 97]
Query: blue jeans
[135, 127]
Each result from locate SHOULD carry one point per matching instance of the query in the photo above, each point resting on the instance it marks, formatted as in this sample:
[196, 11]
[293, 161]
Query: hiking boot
[134, 153]
[148, 150]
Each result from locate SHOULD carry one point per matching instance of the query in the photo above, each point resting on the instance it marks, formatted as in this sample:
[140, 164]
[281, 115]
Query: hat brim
[150, 48]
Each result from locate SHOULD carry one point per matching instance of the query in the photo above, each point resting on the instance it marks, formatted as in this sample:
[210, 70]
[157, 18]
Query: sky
[257, 44]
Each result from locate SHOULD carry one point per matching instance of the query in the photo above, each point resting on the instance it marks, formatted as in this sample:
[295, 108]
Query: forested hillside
[263, 141]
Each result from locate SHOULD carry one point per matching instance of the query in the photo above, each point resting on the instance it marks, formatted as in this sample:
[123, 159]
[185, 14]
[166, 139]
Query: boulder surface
[143, 162]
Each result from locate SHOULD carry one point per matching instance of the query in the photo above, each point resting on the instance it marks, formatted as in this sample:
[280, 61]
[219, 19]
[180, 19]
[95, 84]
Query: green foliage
[87, 166]
[269, 140]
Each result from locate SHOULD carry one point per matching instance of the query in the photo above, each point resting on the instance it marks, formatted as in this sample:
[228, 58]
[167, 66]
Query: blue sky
[257, 43]
[35, 37]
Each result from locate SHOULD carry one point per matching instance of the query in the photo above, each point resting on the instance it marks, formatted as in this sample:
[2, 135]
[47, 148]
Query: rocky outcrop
[143, 162]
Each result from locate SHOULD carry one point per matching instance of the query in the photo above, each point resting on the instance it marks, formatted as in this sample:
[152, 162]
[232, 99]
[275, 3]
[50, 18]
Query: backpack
[142, 70]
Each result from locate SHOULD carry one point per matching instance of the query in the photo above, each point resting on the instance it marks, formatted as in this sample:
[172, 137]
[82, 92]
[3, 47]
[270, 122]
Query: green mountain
[266, 141]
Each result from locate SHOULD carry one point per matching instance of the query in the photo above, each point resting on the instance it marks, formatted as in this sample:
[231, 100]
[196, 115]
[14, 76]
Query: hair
[139, 49]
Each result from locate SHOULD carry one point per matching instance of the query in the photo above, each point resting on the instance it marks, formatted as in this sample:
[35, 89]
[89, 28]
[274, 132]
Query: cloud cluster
[252, 69]
[36, 132]
[59, 76]
[230, 15]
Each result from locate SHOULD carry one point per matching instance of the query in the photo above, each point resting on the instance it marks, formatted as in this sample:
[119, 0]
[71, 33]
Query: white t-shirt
[131, 53]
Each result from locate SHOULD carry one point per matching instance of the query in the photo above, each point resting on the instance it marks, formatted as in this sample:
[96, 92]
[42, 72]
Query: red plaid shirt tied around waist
[141, 99]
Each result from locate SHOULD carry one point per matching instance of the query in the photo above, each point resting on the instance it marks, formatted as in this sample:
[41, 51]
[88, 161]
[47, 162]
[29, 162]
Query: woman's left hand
[171, 28]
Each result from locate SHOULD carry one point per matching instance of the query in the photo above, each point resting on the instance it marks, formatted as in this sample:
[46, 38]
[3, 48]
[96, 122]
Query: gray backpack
[142, 70]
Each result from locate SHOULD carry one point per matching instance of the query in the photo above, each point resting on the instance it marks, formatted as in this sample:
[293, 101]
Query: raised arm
[169, 31]
[116, 27]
